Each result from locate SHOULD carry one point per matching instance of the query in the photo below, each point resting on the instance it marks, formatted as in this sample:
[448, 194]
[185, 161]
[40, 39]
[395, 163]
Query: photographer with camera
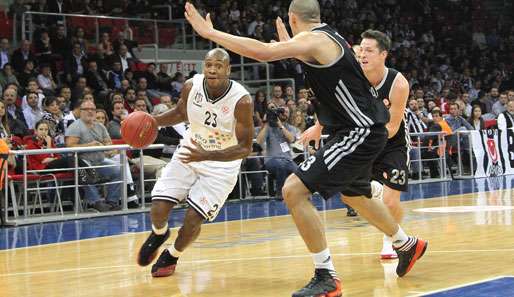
[276, 136]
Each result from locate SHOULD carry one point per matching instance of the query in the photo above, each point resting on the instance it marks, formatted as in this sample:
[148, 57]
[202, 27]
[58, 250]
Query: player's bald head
[306, 10]
[218, 54]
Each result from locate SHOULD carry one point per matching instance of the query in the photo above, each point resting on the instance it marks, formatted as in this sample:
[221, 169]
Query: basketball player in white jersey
[204, 169]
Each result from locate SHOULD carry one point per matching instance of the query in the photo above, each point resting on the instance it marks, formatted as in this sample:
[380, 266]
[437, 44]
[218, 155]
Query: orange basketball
[139, 129]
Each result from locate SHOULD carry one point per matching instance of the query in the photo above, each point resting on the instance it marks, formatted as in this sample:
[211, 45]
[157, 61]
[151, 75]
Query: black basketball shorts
[344, 163]
[391, 168]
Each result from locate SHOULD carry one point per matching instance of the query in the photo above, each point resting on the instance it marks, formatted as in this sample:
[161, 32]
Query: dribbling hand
[202, 26]
[196, 153]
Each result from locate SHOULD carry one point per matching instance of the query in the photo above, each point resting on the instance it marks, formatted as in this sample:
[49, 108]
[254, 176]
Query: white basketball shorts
[204, 187]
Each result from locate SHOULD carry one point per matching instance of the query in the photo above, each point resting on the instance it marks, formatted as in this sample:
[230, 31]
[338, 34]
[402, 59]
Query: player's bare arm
[398, 101]
[244, 133]
[306, 46]
[179, 113]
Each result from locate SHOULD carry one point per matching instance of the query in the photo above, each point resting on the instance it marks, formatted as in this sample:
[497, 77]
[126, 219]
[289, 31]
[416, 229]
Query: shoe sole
[338, 292]
[164, 271]
[420, 251]
[152, 256]
[388, 256]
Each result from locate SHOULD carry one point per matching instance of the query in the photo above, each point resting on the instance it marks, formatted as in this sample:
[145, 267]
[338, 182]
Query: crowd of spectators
[457, 67]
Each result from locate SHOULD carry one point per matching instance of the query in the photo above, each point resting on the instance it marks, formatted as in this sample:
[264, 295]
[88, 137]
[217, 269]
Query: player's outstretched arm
[179, 113]
[398, 100]
[244, 134]
[300, 46]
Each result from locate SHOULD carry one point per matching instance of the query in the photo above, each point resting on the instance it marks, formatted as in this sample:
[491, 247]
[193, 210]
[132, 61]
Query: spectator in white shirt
[32, 112]
[33, 87]
[46, 81]
[500, 105]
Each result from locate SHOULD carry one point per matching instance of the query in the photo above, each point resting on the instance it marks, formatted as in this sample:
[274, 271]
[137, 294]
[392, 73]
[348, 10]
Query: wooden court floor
[471, 238]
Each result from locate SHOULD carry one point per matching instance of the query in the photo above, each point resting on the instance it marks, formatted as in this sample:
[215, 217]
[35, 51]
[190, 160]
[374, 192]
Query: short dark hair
[383, 41]
[49, 100]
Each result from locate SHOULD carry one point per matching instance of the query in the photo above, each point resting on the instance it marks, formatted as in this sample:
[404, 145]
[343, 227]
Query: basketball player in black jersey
[392, 166]
[349, 106]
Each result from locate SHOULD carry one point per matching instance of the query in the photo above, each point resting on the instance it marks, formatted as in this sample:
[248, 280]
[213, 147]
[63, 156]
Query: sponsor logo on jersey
[197, 100]
[225, 109]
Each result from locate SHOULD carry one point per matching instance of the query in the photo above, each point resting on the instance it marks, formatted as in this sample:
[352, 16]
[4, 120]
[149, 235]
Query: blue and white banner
[494, 152]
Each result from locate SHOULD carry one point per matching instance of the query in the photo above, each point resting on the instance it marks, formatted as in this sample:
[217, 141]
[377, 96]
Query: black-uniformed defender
[348, 103]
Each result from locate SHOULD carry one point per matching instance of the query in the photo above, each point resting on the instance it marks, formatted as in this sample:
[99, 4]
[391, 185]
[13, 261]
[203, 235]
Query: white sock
[323, 260]
[388, 241]
[399, 238]
[160, 231]
[174, 252]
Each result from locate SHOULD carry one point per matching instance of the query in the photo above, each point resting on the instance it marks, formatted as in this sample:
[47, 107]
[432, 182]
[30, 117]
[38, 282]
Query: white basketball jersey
[212, 121]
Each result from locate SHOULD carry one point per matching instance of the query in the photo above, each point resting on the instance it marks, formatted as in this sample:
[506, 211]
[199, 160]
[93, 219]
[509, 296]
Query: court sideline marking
[421, 294]
[240, 260]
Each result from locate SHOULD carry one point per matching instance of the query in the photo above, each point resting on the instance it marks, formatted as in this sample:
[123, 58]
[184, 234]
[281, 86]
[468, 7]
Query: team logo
[225, 109]
[197, 100]
[204, 201]
[495, 169]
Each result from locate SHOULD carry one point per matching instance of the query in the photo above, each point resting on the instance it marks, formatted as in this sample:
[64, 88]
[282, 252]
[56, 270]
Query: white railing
[77, 201]
[26, 217]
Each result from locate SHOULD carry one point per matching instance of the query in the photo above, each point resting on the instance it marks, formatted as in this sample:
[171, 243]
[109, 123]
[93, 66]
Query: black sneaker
[409, 253]
[323, 284]
[148, 250]
[91, 176]
[351, 212]
[165, 265]
[133, 204]
[114, 205]
[101, 206]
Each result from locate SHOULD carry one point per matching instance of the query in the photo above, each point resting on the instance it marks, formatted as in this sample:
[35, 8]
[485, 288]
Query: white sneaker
[377, 190]
[388, 253]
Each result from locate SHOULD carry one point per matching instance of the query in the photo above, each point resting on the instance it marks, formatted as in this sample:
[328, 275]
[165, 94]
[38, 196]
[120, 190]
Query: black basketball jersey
[401, 138]
[345, 97]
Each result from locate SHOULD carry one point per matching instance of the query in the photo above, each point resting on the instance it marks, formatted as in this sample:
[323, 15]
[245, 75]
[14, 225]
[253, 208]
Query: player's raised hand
[283, 35]
[313, 133]
[202, 26]
[196, 153]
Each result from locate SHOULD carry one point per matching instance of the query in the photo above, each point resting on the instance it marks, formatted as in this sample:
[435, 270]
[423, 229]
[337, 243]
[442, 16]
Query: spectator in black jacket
[15, 117]
[61, 43]
[21, 55]
[115, 76]
[75, 64]
[98, 82]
